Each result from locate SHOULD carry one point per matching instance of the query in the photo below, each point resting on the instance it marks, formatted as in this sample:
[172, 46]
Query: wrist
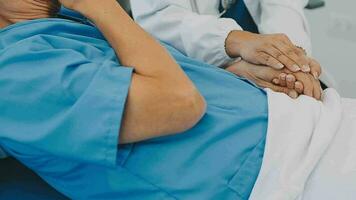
[237, 67]
[231, 44]
[236, 42]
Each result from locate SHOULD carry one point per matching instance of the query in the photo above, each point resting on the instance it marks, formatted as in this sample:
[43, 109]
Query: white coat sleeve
[198, 36]
[286, 16]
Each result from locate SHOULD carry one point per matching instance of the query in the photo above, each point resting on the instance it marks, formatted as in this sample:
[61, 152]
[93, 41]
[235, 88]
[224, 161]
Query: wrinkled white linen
[310, 149]
[335, 175]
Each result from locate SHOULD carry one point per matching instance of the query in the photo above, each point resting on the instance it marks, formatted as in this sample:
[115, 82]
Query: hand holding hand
[287, 79]
[274, 50]
[293, 84]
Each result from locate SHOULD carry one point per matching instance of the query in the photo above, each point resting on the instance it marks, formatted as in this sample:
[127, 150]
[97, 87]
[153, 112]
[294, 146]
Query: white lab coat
[200, 33]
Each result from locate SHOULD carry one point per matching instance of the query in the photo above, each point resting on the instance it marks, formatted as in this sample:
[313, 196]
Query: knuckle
[277, 54]
[290, 51]
[300, 52]
[264, 57]
[271, 60]
[281, 57]
[261, 60]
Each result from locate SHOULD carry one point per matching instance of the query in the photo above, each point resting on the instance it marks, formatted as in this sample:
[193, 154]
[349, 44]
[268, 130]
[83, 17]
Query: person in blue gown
[71, 111]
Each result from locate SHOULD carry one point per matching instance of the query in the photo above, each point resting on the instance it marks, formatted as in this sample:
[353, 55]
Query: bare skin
[4, 23]
[264, 76]
[17, 11]
[275, 50]
[158, 86]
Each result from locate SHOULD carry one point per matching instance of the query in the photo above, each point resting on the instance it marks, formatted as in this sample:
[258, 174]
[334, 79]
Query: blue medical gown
[62, 97]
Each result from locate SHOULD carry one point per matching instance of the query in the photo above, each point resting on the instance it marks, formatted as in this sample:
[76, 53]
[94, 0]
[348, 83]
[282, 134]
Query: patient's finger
[287, 71]
[290, 92]
[299, 87]
[276, 81]
[311, 85]
[315, 68]
[307, 81]
[309, 88]
[290, 79]
[293, 94]
[283, 79]
[317, 90]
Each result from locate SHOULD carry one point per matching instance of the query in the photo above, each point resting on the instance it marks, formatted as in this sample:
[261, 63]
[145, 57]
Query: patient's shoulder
[55, 27]
[54, 38]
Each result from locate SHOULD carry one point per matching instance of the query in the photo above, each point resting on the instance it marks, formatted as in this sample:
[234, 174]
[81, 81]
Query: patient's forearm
[133, 45]
[162, 100]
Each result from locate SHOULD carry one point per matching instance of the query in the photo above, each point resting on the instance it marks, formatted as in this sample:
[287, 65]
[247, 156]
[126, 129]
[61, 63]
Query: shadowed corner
[17, 179]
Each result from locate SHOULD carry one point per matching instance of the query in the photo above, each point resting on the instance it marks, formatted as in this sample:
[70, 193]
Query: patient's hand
[292, 84]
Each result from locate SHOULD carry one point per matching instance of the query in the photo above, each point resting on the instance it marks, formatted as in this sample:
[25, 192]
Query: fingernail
[276, 81]
[305, 68]
[293, 94]
[280, 66]
[283, 76]
[298, 85]
[289, 78]
[296, 68]
[315, 74]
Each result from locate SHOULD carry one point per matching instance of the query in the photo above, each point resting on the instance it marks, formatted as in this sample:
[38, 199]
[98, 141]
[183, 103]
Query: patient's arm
[162, 100]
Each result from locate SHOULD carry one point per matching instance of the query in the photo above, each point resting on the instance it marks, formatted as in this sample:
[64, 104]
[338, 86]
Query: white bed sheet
[310, 151]
[335, 176]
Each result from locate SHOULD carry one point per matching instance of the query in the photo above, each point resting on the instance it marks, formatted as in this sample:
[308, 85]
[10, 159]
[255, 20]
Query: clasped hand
[279, 80]
[273, 61]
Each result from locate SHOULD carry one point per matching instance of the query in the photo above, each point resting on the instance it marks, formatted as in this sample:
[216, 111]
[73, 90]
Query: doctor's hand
[274, 50]
[295, 84]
